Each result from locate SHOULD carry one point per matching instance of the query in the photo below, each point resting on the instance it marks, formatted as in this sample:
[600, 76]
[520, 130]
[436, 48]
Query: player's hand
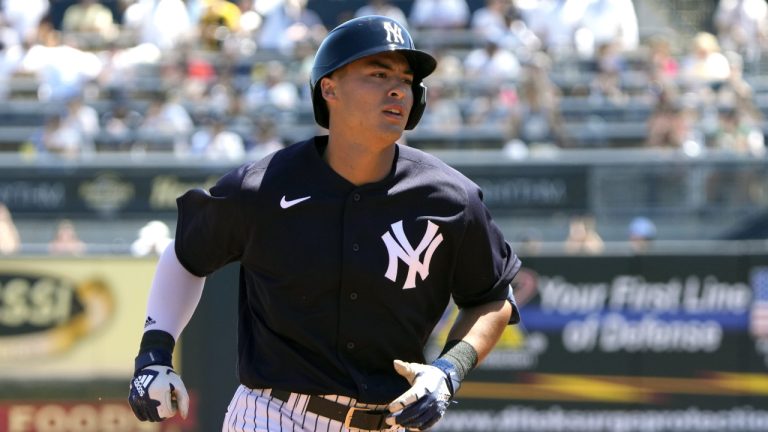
[157, 393]
[425, 403]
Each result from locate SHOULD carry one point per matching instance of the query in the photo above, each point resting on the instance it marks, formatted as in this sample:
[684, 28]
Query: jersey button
[350, 345]
[355, 247]
[353, 296]
[356, 197]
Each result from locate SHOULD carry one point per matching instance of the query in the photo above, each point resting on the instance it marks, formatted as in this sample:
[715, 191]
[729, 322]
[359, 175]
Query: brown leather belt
[351, 417]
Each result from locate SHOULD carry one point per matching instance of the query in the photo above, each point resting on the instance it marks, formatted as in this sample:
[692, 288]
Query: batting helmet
[361, 37]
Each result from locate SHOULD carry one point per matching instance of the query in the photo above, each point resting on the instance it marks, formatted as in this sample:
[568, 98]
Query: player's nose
[399, 90]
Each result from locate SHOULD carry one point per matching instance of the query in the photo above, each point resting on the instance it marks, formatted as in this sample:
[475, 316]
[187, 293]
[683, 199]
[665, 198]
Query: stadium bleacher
[601, 131]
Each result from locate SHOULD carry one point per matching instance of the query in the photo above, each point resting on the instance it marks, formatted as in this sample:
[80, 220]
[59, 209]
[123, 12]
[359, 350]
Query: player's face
[373, 96]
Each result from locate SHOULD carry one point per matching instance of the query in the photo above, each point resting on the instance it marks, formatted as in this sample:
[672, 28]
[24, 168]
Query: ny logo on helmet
[398, 247]
[394, 33]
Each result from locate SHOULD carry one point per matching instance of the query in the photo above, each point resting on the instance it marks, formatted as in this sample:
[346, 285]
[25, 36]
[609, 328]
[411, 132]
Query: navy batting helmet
[361, 37]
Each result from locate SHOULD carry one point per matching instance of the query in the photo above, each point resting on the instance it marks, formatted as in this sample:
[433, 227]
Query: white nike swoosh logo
[284, 203]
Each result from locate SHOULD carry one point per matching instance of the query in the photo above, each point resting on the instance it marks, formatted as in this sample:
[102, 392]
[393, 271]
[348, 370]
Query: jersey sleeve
[486, 262]
[211, 230]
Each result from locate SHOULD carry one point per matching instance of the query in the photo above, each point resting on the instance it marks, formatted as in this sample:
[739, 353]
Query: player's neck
[357, 163]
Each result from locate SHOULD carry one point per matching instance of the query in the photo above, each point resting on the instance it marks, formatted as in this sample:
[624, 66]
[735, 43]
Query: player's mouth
[394, 112]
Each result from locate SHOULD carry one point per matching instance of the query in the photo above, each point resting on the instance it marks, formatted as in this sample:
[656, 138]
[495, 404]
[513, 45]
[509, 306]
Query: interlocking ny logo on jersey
[394, 33]
[399, 248]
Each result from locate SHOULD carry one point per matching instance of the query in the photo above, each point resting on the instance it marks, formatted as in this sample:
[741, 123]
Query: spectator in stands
[642, 233]
[450, 68]
[84, 119]
[490, 22]
[274, 90]
[119, 124]
[11, 53]
[735, 133]
[124, 66]
[89, 18]
[10, 242]
[216, 141]
[383, 8]
[737, 91]
[612, 22]
[529, 243]
[444, 114]
[607, 83]
[439, 14]
[240, 42]
[265, 138]
[518, 37]
[491, 63]
[535, 119]
[60, 138]
[152, 239]
[704, 64]
[219, 21]
[742, 26]
[660, 64]
[554, 22]
[66, 240]
[24, 16]
[62, 70]
[167, 119]
[672, 122]
[287, 23]
[165, 24]
[583, 237]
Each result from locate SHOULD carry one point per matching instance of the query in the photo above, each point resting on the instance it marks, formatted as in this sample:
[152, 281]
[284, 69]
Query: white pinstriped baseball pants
[254, 410]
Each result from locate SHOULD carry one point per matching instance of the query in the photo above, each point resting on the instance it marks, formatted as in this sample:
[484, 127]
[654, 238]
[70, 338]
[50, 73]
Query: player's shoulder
[250, 175]
[431, 168]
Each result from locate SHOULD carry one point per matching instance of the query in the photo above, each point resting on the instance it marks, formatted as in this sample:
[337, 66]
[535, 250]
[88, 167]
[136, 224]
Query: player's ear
[328, 88]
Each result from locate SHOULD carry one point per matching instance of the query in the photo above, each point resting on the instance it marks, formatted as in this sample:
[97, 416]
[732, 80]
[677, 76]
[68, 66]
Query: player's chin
[393, 124]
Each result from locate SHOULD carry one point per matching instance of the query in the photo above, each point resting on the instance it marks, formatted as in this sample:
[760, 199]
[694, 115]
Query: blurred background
[620, 145]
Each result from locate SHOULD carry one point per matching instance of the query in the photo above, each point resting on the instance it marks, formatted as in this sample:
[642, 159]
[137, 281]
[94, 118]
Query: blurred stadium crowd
[228, 79]
[222, 78]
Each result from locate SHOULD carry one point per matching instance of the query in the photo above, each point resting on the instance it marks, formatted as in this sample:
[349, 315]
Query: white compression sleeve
[174, 295]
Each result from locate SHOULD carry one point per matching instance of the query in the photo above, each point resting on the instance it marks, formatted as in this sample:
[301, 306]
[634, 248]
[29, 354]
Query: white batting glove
[157, 393]
[425, 403]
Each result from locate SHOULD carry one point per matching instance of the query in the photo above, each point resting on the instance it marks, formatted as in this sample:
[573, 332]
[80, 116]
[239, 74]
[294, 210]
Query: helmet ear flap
[419, 104]
[322, 115]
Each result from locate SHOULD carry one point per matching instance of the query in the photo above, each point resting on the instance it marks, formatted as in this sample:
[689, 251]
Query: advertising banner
[628, 343]
[54, 192]
[71, 318]
[99, 192]
[69, 330]
[101, 415]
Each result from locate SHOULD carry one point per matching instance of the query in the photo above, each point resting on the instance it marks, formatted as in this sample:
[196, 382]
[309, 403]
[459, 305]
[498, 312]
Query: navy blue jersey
[338, 280]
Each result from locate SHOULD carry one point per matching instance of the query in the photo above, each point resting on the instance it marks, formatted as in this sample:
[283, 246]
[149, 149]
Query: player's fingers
[182, 400]
[405, 400]
[417, 414]
[405, 369]
[166, 408]
[137, 411]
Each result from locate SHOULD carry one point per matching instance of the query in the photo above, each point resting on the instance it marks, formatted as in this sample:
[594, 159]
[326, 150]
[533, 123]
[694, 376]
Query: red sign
[112, 415]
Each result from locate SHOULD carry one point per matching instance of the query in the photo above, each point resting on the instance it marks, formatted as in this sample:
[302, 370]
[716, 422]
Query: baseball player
[350, 248]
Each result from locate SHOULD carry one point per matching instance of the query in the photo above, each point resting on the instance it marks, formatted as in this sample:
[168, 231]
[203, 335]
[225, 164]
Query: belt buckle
[350, 413]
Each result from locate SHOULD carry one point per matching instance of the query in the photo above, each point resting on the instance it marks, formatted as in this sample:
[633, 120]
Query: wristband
[156, 348]
[456, 361]
[452, 377]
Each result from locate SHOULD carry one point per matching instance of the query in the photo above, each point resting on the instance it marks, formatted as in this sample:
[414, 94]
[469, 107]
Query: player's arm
[156, 391]
[471, 338]
[480, 327]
